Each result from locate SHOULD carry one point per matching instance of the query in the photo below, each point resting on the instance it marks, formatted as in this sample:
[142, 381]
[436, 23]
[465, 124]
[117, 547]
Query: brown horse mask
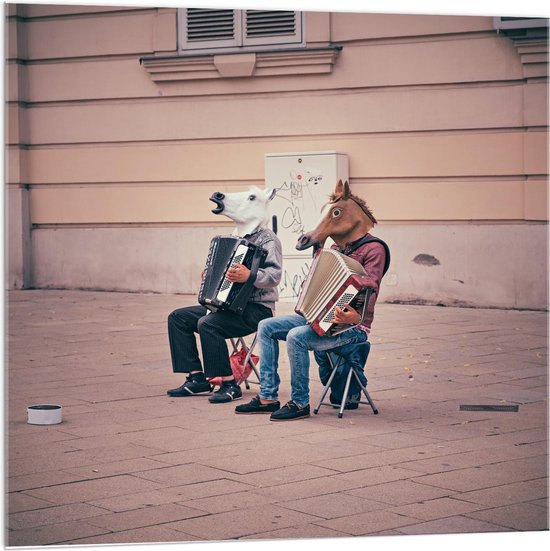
[347, 219]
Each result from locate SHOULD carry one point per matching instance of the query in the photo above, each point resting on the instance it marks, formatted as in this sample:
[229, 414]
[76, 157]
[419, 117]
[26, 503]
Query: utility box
[304, 182]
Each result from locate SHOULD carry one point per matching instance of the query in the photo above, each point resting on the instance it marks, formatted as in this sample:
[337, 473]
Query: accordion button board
[345, 298]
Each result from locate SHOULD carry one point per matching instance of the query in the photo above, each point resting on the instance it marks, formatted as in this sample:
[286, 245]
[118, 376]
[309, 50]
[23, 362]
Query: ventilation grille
[270, 23]
[229, 30]
[205, 24]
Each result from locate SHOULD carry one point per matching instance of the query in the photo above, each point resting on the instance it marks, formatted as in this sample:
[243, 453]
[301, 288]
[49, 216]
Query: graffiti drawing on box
[291, 280]
[303, 182]
[299, 200]
[302, 200]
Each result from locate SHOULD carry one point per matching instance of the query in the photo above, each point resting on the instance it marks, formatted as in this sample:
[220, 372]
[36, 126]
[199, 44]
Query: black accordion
[216, 291]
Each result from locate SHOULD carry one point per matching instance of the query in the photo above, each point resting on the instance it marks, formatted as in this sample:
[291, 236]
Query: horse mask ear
[341, 192]
[347, 191]
[270, 194]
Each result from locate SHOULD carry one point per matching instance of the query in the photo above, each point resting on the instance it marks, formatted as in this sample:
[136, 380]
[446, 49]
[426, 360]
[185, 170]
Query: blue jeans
[300, 339]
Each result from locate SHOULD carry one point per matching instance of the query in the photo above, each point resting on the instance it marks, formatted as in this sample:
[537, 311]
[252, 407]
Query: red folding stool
[238, 343]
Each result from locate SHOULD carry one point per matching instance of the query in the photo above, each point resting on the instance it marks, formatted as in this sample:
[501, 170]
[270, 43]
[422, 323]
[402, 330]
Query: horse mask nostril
[218, 198]
[303, 242]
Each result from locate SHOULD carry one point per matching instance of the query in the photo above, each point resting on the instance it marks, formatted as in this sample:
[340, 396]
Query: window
[207, 30]
[222, 44]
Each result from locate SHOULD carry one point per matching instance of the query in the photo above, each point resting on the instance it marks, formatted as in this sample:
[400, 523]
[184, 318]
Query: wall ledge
[534, 56]
[232, 65]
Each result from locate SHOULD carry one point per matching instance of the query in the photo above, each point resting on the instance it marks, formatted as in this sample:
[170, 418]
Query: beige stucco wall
[443, 120]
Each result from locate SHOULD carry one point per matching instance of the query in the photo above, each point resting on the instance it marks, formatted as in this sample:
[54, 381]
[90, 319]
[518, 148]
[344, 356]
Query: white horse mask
[248, 209]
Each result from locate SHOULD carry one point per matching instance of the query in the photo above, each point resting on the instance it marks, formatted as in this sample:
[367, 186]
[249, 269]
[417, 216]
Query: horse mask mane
[343, 192]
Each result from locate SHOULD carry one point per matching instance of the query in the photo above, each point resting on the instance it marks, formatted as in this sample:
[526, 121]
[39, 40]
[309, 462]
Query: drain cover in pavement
[488, 408]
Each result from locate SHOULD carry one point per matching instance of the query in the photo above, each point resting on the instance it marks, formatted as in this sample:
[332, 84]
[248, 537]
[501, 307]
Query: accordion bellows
[333, 280]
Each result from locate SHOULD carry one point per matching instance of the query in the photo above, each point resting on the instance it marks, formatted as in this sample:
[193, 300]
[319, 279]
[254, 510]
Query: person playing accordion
[248, 209]
[347, 221]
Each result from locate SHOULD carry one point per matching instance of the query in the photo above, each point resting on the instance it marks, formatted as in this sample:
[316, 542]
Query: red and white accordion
[333, 280]
[216, 291]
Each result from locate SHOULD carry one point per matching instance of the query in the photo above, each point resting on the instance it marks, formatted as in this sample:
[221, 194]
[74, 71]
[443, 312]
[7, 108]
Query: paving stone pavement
[130, 464]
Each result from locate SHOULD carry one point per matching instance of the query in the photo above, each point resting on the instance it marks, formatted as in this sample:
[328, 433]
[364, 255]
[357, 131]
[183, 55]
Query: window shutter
[205, 29]
[272, 27]
[209, 28]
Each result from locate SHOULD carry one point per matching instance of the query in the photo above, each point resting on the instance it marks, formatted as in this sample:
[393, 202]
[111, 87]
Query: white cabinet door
[303, 182]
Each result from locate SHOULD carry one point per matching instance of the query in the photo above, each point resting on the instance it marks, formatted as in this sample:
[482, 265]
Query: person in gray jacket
[215, 327]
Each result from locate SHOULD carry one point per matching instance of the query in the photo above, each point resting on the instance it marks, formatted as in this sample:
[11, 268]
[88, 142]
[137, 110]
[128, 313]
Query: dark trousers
[213, 330]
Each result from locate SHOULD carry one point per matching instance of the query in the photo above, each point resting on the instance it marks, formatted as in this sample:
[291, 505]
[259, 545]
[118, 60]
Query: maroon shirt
[372, 256]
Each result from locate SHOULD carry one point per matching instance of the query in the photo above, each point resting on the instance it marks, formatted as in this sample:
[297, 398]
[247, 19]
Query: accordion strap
[256, 261]
[372, 239]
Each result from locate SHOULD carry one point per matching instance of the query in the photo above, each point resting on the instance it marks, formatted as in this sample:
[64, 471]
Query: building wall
[111, 161]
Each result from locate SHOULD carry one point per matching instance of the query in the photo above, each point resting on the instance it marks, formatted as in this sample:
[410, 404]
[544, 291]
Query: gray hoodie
[269, 274]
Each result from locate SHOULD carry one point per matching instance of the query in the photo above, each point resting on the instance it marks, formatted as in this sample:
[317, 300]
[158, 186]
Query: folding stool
[239, 342]
[345, 395]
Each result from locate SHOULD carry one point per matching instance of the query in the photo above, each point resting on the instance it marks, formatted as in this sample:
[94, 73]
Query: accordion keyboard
[344, 299]
[226, 285]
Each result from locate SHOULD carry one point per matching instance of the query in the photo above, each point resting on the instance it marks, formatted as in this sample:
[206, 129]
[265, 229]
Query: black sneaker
[289, 412]
[255, 406]
[352, 402]
[228, 391]
[195, 385]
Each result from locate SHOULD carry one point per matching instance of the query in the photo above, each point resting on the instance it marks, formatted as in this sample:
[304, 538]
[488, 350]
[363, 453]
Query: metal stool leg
[345, 396]
[240, 342]
[327, 386]
[364, 390]
[248, 360]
